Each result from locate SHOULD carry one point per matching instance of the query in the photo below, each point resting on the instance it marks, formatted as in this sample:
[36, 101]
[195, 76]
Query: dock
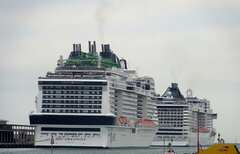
[16, 136]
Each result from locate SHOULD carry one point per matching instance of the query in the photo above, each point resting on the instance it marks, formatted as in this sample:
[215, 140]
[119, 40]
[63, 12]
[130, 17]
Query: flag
[52, 140]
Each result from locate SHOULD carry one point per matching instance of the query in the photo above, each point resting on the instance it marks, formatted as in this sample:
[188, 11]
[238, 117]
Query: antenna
[99, 61]
[236, 139]
[198, 144]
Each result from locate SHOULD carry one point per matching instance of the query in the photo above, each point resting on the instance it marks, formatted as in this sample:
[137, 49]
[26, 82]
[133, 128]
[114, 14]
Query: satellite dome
[169, 94]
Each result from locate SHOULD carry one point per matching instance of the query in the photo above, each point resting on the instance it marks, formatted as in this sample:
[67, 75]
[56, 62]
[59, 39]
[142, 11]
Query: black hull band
[72, 120]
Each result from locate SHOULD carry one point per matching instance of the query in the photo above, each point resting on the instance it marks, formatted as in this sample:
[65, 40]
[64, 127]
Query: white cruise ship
[180, 119]
[93, 100]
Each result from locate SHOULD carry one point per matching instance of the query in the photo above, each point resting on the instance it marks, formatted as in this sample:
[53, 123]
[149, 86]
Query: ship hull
[92, 136]
[88, 131]
[205, 139]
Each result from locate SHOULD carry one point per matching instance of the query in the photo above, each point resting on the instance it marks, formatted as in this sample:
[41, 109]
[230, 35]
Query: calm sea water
[151, 150]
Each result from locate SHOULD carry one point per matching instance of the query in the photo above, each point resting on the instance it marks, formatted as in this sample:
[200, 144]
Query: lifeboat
[123, 120]
[145, 122]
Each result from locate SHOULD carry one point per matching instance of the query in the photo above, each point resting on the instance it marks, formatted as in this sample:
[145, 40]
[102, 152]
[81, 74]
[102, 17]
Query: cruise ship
[93, 100]
[181, 119]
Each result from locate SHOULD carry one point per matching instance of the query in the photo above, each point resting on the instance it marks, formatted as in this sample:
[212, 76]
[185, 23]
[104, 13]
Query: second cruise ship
[181, 118]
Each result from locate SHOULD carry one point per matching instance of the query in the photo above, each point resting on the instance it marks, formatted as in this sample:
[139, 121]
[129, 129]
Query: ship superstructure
[93, 100]
[180, 118]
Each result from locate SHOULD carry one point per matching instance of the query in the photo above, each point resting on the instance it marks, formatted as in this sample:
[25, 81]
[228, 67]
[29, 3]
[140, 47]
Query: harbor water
[151, 150]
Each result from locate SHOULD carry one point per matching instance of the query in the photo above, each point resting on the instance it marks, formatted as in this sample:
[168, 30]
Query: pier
[16, 136]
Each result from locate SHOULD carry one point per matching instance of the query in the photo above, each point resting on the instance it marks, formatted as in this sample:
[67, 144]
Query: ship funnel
[107, 48]
[103, 50]
[175, 85]
[74, 47]
[92, 48]
[89, 47]
[79, 48]
[76, 51]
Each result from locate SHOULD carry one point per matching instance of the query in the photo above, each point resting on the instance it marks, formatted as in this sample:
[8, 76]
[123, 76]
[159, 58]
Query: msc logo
[223, 149]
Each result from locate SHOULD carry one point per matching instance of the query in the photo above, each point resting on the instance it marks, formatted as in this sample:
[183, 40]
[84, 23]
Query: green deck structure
[90, 60]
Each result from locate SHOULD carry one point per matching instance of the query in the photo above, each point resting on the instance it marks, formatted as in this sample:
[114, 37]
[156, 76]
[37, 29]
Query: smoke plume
[100, 18]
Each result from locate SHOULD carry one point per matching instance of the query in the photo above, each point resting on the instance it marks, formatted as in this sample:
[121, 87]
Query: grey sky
[192, 42]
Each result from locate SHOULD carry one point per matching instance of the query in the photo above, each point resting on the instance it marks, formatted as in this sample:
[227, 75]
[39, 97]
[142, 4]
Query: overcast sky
[195, 43]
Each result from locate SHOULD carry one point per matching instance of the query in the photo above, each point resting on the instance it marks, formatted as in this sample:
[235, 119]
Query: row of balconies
[129, 94]
[130, 99]
[129, 107]
[171, 110]
[129, 115]
[69, 111]
[64, 104]
[70, 97]
[89, 92]
[73, 106]
[70, 88]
